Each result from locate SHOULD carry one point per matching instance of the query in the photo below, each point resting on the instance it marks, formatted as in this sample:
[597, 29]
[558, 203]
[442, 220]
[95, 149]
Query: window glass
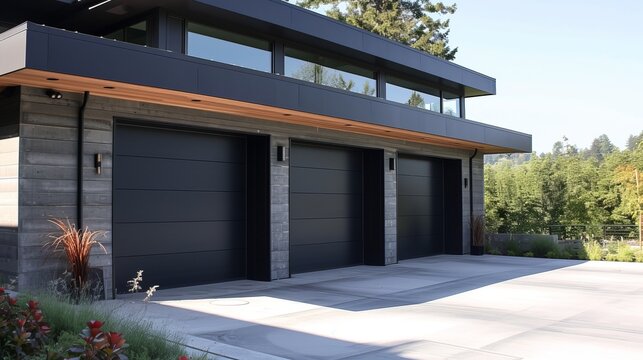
[134, 34]
[412, 94]
[451, 105]
[227, 47]
[327, 71]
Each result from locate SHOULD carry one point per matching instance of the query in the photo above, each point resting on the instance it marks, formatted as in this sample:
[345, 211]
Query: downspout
[475, 152]
[81, 149]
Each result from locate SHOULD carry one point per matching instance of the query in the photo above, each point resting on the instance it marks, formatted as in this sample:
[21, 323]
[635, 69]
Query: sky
[562, 68]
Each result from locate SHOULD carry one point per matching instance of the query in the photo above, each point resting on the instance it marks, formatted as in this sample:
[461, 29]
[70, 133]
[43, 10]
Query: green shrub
[144, 341]
[493, 251]
[541, 247]
[638, 257]
[593, 250]
[553, 254]
[624, 252]
[23, 330]
[528, 254]
[512, 247]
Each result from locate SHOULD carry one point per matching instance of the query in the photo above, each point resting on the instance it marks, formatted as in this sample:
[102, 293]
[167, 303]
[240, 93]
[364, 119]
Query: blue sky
[570, 68]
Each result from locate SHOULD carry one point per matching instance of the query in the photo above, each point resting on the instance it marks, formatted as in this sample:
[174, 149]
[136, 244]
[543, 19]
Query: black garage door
[325, 207]
[420, 214]
[179, 206]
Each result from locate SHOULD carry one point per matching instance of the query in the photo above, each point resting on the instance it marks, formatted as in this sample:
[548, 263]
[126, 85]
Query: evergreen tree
[416, 100]
[406, 21]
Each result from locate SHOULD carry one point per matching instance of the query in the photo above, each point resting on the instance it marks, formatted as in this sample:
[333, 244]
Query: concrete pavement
[460, 307]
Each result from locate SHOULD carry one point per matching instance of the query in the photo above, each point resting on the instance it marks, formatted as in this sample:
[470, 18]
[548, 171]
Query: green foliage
[23, 330]
[528, 254]
[624, 252]
[542, 247]
[408, 22]
[593, 250]
[145, 341]
[512, 247]
[564, 187]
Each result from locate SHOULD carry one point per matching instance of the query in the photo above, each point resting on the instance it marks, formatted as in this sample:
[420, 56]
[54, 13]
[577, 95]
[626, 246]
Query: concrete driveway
[461, 307]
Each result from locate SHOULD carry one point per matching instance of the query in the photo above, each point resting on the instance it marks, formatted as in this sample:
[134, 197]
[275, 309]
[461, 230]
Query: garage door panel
[177, 144]
[420, 225]
[325, 157]
[420, 185]
[179, 206]
[168, 206]
[172, 270]
[319, 231]
[326, 181]
[420, 208]
[325, 256]
[170, 174]
[420, 205]
[165, 238]
[321, 206]
[325, 207]
[420, 167]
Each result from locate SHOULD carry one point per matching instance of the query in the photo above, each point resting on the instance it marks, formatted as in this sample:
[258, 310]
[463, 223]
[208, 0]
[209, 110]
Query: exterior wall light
[54, 94]
[98, 163]
[281, 153]
[391, 164]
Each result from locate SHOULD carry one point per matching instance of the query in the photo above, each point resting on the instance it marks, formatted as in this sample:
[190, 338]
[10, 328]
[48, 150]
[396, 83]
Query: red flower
[12, 301]
[115, 339]
[1, 290]
[37, 315]
[183, 357]
[21, 323]
[93, 332]
[32, 304]
[94, 324]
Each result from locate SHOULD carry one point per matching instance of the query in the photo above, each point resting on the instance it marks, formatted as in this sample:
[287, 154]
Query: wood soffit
[125, 91]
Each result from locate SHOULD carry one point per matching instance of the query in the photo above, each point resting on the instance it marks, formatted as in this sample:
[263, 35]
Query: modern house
[216, 140]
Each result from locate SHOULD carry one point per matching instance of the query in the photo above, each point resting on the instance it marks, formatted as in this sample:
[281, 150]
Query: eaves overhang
[33, 53]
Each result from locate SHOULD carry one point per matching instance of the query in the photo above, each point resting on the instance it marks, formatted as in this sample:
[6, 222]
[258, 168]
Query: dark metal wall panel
[48, 49]
[420, 217]
[179, 206]
[326, 195]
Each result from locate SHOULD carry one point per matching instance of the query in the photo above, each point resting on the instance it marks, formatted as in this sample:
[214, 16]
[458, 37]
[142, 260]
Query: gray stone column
[390, 209]
[279, 211]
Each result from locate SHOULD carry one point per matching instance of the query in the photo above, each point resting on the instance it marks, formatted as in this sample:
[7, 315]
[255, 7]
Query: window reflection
[451, 104]
[412, 94]
[327, 71]
[228, 47]
[133, 34]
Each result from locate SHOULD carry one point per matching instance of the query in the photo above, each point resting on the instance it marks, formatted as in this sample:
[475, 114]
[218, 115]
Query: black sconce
[98, 162]
[466, 182]
[53, 94]
[281, 153]
[391, 164]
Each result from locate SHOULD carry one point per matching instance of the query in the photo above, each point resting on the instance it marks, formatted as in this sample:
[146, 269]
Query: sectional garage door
[420, 216]
[179, 206]
[325, 207]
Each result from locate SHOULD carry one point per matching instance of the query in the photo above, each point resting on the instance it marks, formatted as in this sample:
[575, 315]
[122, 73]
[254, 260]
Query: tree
[405, 21]
[601, 147]
[633, 141]
[416, 100]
